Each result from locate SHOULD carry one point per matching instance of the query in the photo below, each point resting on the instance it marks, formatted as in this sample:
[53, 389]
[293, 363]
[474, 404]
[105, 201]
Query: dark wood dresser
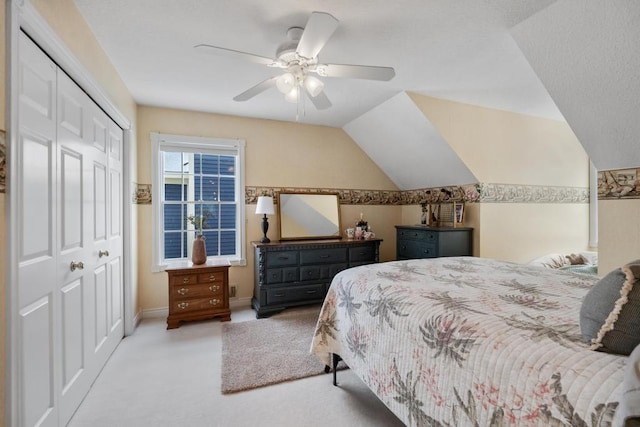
[299, 272]
[198, 292]
[419, 241]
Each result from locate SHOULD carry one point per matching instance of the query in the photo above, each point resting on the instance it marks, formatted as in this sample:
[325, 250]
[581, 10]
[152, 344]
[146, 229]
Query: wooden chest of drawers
[432, 242]
[197, 293]
[299, 272]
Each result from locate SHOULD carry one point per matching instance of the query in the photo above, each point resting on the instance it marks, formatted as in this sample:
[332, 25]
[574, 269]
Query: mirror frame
[332, 197]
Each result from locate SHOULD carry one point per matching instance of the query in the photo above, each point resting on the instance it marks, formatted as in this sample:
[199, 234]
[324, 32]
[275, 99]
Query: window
[197, 182]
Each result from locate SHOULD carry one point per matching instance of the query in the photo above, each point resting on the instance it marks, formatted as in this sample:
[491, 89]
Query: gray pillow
[610, 312]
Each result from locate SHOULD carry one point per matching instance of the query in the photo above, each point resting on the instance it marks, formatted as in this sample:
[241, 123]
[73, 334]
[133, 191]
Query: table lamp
[265, 207]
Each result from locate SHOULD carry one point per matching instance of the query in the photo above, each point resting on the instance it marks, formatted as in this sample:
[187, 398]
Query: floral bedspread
[470, 342]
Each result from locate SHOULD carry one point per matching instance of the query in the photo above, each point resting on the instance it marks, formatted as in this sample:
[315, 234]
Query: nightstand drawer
[198, 304]
[199, 290]
[184, 279]
[215, 277]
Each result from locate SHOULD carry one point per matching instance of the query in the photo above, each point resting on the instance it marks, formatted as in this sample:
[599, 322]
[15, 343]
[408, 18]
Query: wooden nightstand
[197, 293]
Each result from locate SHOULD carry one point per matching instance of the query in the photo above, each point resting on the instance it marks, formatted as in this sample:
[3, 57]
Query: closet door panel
[100, 308]
[38, 403]
[38, 299]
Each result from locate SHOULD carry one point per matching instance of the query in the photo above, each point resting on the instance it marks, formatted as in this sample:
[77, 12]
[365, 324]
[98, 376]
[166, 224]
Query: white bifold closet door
[70, 286]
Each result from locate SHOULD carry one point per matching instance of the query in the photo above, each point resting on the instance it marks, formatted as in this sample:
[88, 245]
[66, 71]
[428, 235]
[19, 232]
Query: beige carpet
[268, 351]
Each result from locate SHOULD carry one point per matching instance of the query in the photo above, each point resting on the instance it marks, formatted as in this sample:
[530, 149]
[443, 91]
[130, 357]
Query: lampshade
[314, 86]
[265, 205]
[292, 95]
[286, 82]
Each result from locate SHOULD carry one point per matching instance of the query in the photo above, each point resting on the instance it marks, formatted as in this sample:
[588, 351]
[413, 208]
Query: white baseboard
[240, 302]
[154, 313]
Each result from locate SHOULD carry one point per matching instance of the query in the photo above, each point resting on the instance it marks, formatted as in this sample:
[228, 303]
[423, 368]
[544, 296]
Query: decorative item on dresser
[299, 272]
[419, 241]
[197, 293]
[265, 206]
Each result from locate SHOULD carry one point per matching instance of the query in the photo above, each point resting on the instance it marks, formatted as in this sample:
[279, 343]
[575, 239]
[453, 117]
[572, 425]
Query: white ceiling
[458, 50]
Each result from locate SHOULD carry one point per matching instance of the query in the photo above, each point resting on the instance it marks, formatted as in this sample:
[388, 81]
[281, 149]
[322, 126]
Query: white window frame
[167, 142]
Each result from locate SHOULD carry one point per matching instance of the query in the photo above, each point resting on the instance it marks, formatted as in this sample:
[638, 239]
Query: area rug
[261, 352]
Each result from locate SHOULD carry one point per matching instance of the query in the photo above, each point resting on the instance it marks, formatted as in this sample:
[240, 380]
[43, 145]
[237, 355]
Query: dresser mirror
[309, 216]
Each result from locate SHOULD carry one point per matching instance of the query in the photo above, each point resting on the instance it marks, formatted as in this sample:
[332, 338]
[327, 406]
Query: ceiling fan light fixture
[292, 95]
[286, 82]
[313, 85]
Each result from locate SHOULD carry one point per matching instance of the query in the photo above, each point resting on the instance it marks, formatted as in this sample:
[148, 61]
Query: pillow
[610, 312]
[630, 401]
[576, 259]
[550, 261]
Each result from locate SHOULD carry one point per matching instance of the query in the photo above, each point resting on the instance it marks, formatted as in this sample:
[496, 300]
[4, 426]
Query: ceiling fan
[298, 57]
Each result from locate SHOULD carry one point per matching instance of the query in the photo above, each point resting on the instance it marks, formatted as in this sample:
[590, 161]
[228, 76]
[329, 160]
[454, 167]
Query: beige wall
[619, 233]
[508, 148]
[278, 154]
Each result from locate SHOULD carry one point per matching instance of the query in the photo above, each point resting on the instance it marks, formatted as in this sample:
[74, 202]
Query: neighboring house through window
[197, 180]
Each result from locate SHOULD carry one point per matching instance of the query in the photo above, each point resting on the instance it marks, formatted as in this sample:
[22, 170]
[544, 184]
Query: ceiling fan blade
[356, 71]
[317, 32]
[236, 54]
[320, 101]
[257, 89]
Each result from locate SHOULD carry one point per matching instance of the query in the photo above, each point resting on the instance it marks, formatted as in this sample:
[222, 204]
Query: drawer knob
[183, 291]
[214, 301]
[212, 278]
[183, 305]
[214, 288]
[185, 280]
[103, 253]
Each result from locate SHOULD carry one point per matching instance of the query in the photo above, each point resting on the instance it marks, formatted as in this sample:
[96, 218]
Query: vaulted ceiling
[560, 59]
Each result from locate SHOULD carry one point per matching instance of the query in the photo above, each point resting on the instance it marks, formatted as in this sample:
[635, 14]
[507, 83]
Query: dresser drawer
[279, 275]
[296, 294]
[362, 254]
[422, 235]
[282, 258]
[198, 304]
[323, 256]
[416, 249]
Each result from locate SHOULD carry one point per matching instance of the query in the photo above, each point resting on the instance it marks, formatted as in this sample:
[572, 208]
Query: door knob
[103, 253]
[79, 265]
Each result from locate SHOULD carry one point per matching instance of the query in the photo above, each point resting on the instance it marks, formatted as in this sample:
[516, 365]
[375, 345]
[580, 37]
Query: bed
[470, 341]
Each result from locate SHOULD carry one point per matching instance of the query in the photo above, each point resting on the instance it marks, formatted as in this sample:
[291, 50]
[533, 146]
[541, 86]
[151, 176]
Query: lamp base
[265, 227]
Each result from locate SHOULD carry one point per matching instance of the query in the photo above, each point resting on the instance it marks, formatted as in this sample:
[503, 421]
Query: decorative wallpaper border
[3, 161]
[514, 193]
[619, 184]
[470, 193]
[142, 194]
